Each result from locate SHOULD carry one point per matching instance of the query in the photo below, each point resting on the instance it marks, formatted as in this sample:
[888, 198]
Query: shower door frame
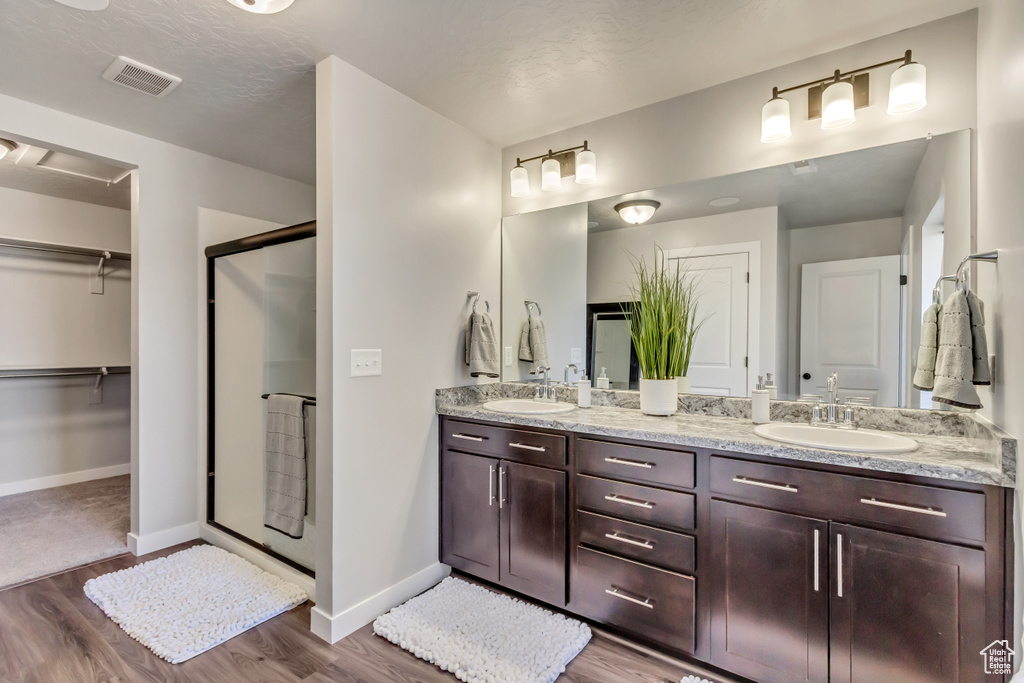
[291, 233]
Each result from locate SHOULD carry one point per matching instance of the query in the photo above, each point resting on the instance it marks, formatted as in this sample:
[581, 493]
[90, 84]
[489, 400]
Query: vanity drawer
[638, 464]
[642, 504]
[533, 448]
[929, 510]
[661, 548]
[653, 603]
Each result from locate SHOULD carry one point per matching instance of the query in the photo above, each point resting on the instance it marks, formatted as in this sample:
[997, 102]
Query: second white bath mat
[186, 603]
[480, 635]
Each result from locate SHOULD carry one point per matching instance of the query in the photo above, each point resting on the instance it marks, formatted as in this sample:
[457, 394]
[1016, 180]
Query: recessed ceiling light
[724, 201]
[592, 224]
[262, 6]
[7, 146]
[88, 5]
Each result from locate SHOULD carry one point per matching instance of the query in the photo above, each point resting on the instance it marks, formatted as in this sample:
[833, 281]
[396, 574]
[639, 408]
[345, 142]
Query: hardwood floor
[51, 633]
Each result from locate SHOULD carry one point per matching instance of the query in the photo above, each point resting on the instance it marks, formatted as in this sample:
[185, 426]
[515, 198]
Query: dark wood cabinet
[905, 609]
[470, 514]
[769, 599]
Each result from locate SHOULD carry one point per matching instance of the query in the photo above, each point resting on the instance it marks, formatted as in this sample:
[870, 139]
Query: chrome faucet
[575, 370]
[832, 405]
[545, 392]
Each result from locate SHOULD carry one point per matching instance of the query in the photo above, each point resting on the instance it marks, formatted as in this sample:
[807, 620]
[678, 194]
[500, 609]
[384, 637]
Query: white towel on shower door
[284, 502]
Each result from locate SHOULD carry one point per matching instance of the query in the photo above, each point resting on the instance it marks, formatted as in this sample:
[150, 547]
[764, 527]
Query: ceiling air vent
[138, 76]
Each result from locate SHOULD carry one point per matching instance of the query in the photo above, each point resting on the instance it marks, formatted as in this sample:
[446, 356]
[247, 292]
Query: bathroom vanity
[776, 563]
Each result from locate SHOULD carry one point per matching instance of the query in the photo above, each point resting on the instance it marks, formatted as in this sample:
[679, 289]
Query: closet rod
[11, 243]
[15, 373]
[306, 400]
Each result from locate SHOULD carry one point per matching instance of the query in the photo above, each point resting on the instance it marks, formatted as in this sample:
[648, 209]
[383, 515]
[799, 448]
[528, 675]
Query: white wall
[609, 269]
[863, 239]
[49, 432]
[544, 259]
[1001, 224]
[169, 187]
[716, 131]
[408, 221]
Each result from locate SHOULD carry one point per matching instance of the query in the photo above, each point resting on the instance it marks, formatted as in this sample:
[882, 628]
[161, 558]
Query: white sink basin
[858, 440]
[526, 406]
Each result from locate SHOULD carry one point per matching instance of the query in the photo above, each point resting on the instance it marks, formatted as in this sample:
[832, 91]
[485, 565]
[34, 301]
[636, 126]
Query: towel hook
[529, 311]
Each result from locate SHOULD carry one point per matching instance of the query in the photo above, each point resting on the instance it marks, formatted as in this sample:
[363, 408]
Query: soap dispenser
[760, 404]
[769, 384]
[583, 392]
[602, 381]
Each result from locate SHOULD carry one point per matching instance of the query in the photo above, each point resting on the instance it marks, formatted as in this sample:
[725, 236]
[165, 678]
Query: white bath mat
[480, 635]
[182, 605]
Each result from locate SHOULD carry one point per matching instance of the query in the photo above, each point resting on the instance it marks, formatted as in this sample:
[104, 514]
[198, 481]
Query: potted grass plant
[663, 325]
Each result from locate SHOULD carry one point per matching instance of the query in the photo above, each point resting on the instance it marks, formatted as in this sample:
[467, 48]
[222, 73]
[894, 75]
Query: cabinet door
[769, 594]
[469, 514]
[905, 609]
[533, 530]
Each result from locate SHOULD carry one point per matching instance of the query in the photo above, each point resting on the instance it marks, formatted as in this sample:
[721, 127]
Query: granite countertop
[964, 449]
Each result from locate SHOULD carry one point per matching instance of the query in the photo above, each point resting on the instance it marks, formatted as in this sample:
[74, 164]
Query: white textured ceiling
[510, 71]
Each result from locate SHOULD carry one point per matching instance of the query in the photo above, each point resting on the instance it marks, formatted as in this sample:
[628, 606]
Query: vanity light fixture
[554, 167]
[7, 146]
[262, 6]
[835, 98]
[637, 211]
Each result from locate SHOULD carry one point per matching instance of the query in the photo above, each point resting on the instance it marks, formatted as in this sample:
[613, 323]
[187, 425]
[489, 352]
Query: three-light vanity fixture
[834, 99]
[554, 167]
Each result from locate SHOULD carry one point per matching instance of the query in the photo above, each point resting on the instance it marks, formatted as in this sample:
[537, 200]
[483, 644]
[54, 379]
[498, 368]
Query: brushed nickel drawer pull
[766, 485]
[468, 437]
[904, 508]
[615, 498]
[631, 463]
[528, 447]
[501, 487]
[817, 558]
[490, 486]
[839, 565]
[647, 545]
[646, 602]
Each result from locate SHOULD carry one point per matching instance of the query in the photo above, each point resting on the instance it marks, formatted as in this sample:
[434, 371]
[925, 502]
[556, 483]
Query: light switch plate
[508, 356]
[367, 362]
[575, 355]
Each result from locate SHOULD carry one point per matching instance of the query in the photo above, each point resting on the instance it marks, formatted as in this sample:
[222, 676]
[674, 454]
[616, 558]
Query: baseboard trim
[265, 562]
[56, 480]
[158, 540]
[334, 628]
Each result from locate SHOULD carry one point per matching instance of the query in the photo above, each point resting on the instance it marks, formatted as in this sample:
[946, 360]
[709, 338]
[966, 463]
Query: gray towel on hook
[979, 343]
[284, 502]
[481, 346]
[924, 375]
[533, 344]
[954, 362]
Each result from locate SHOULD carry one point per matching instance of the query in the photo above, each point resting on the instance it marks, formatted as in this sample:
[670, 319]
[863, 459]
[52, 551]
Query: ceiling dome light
[637, 211]
[837, 105]
[262, 6]
[586, 166]
[7, 146]
[88, 5]
[520, 180]
[775, 119]
[907, 88]
[550, 174]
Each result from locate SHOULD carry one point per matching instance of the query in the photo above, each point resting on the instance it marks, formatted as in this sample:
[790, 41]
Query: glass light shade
[907, 89]
[520, 181]
[775, 120]
[586, 167]
[837, 105]
[637, 211]
[550, 175]
[6, 146]
[3, 151]
[262, 6]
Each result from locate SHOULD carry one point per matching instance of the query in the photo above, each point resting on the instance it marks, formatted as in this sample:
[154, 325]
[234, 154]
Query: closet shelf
[64, 371]
[52, 247]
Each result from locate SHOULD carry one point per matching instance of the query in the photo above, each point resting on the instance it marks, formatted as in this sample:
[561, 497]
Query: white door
[718, 365]
[850, 325]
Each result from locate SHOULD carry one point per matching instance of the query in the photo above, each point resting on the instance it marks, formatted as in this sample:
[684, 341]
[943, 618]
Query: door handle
[806, 375]
[501, 487]
[817, 558]
[839, 565]
[490, 485]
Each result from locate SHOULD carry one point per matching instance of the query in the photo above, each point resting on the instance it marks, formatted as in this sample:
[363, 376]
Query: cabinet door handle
[468, 437]
[647, 545]
[631, 463]
[766, 484]
[528, 447]
[501, 487]
[904, 508]
[817, 558]
[839, 565]
[615, 498]
[646, 602]
[490, 486]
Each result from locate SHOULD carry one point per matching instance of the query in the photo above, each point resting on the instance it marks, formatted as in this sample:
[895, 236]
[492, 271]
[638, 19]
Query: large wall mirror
[805, 269]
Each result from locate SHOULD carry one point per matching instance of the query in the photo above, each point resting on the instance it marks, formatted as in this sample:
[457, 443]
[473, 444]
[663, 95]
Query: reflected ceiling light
[88, 5]
[637, 211]
[554, 167]
[262, 6]
[835, 99]
[7, 146]
[724, 201]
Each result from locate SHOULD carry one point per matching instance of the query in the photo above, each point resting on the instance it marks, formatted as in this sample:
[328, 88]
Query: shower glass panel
[263, 342]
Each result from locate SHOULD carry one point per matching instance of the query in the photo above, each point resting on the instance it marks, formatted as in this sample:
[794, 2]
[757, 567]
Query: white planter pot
[684, 384]
[659, 396]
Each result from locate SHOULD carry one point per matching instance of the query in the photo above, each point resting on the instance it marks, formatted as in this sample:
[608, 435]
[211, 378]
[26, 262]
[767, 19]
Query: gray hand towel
[524, 344]
[481, 346]
[924, 376]
[954, 362]
[538, 344]
[979, 343]
[284, 503]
